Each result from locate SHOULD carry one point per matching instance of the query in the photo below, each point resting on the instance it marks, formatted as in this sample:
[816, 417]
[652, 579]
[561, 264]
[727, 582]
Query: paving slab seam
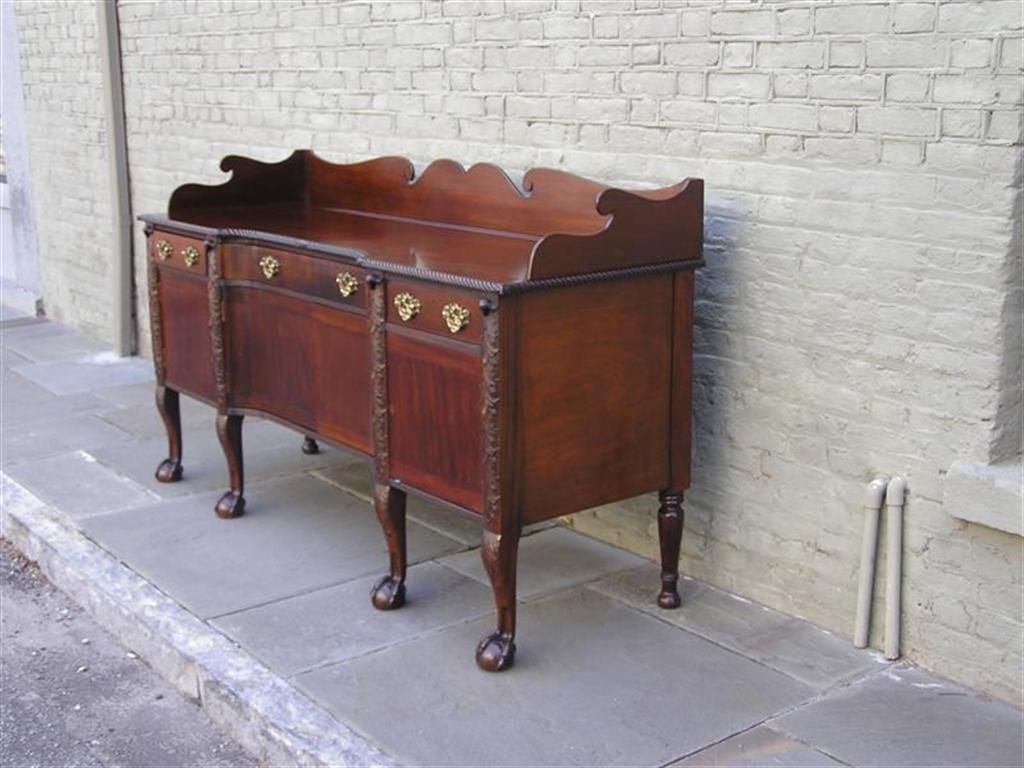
[396, 644]
[265, 714]
[853, 679]
[753, 727]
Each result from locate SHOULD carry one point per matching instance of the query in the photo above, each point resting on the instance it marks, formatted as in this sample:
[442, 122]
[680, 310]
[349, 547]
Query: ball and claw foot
[496, 652]
[388, 594]
[231, 504]
[169, 471]
[668, 598]
[310, 447]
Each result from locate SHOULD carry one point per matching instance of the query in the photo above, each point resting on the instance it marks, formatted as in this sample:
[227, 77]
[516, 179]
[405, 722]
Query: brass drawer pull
[347, 284]
[455, 316]
[408, 306]
[164, 249]
[270, 267]
[191, 256]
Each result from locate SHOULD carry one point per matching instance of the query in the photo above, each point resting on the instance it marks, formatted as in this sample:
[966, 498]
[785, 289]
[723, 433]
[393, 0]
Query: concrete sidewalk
[267, 619]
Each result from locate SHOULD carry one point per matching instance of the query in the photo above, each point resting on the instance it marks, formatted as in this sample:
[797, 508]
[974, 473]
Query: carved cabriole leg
[500, 544]
[168, 404]
[309, 446]
[389, 503]
[229, 426]
[670, 534]
[499, 551]
[167, 400]
[229, 430]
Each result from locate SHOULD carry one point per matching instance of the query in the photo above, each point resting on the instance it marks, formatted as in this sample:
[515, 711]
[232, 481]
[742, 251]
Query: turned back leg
[389, 503]
[310, 446]
[670, 535]
[168, 404]
[229, 431]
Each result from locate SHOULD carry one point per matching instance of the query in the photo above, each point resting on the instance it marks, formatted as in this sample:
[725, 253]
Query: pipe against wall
[894, 496]
[872, 512]
[117, 154]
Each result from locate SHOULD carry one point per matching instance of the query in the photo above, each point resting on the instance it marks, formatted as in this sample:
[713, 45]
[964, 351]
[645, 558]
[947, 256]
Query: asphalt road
[70, 695]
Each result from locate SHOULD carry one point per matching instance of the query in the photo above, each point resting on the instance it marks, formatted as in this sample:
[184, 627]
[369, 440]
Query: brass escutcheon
[191, 256]
[408, 306]
[347, 284]
[164, 249]
[270, 267]
[455, 316]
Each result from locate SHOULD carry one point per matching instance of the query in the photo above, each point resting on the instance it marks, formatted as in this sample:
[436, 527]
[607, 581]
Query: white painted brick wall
[64, 118]
[859, 160]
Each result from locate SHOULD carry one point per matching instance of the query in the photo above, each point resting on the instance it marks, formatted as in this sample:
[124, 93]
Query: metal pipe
[869, 549]
[117, 154]
[894, 496]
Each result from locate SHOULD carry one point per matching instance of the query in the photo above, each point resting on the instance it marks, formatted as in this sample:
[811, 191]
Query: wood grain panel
[184, 316]
[305, 363]
[434, 421]
[595, 378]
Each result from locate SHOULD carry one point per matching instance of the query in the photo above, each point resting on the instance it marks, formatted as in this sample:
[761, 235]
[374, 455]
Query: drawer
[436, 309]
[178, 252]
[312, 275]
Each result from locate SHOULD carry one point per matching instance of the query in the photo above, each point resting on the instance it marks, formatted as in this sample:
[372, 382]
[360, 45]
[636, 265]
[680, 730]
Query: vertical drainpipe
[109, 40]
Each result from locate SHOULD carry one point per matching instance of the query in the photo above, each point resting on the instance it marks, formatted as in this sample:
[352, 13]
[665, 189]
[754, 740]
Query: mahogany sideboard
[514, 352]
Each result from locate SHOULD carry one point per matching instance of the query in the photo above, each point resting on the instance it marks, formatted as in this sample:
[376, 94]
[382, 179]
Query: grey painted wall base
[264, 714]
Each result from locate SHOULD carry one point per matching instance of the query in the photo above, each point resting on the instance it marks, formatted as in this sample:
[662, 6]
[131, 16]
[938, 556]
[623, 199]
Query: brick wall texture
[863, 165]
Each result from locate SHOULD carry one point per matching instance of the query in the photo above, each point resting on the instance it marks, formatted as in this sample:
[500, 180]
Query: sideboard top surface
[471, 224]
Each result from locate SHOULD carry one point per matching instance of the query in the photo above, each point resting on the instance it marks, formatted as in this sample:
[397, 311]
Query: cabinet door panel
[299, 361]
[184, 321]
[434, 429]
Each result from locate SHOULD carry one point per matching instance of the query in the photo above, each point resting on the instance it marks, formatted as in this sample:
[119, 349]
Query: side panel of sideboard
[595, 381]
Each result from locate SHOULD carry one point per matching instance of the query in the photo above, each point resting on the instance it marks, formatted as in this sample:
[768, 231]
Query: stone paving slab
[797, 648]
[595, 684]
[105, 369]
[143, 421]
[297, 534]
[47, 407]
[79, 485]
[51, 347]
[39, 439]
[551, 560]
[339, 623]
[269, 451]
[908, 717]
[759, 747]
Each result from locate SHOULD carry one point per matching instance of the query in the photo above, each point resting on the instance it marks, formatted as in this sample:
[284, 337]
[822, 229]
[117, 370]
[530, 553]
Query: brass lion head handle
[270, 266]
[347, 284]
[164, 249]
[408, 306]
[456, 317]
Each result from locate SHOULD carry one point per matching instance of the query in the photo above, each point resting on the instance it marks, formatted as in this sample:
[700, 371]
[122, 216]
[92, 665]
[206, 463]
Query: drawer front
[171, 251]
[436, 309]
[312, 275]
